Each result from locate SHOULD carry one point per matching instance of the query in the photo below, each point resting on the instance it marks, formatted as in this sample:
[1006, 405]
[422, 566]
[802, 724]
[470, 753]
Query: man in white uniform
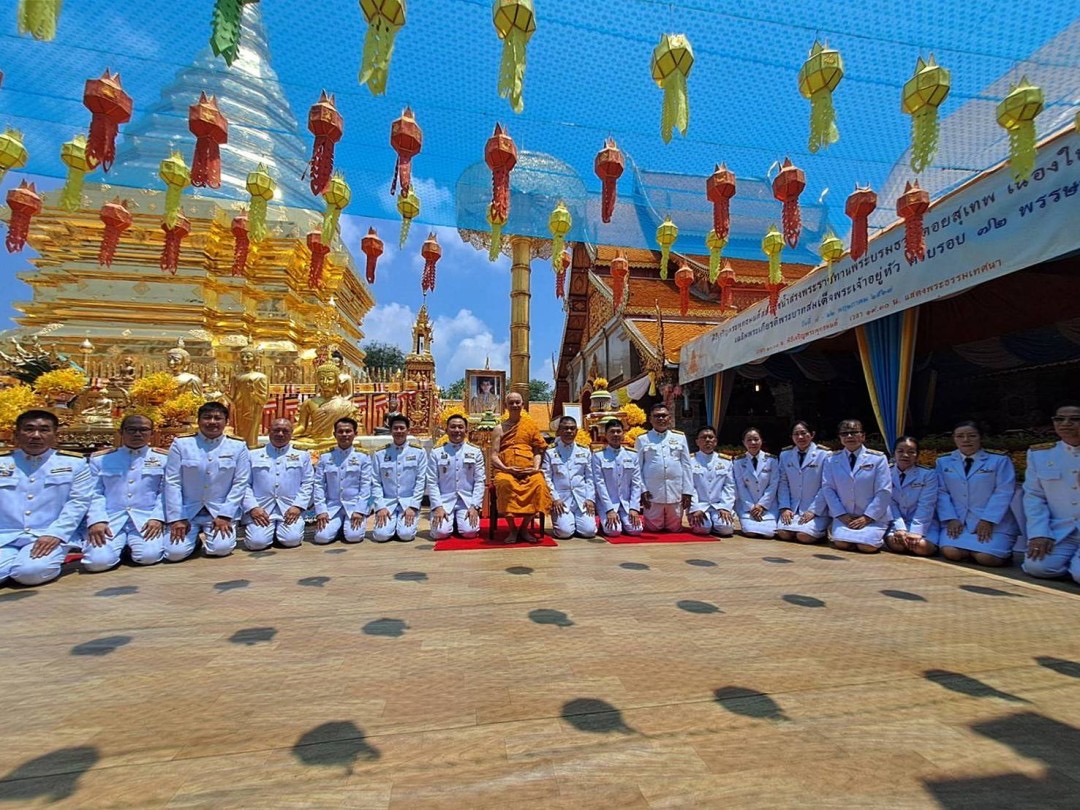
[398, 475]
[456, 481]
[342, 488]
[713, 506]
[567, 469]
[1052, 500]
[280, 490]
[617, 478]
[665, 473]
[858, 490]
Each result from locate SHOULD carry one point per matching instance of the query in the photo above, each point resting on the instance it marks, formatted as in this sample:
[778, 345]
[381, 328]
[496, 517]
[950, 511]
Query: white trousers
[663, 517]
[21, 567]
[341, 523]
[457, 518]
[713, 524]
[215, 545]
[571, 521]
[143, 552]
[625, 526]
[257, 538]
[395, 527]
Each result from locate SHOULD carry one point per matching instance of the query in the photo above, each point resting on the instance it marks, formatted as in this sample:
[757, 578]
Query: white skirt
[872, 535]
[765, 526]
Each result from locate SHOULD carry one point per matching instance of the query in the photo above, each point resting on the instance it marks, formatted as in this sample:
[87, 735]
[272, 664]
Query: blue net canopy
[587, 78]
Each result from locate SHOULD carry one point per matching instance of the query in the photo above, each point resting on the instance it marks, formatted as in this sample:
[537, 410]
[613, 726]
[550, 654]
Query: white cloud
[389, 323]
[433, 197]
[465, 341]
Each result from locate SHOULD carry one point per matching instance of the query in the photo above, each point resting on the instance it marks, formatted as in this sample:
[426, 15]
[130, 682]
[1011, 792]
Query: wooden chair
[493, 513]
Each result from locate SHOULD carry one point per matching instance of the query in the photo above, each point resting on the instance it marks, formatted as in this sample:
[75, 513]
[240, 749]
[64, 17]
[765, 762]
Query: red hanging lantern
[319, 252]
[726, 280]
[620, 272]
[117, 219]
[109, 107]
[24, 203]
[170, 254]
[719, 189]
[560, 275]
[860, 204]
[407, 139]
[211, 130]
[327, 125]
[500, 154]
[431, 252]
[910, 206]
[241, 244]
[786, 187]
[372, 246]
[609, 167]
[684, 280]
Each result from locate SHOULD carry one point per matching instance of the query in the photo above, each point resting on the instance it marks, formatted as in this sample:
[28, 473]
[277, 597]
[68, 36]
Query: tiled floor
[742, 673]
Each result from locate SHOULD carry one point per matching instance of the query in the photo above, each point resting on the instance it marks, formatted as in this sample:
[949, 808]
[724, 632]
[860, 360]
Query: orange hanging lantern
[174, 235]
[372, 246]
[109, 107]
[407, 139]
[560, 275]
[211, 130]
[327, 125]
[787, 186]
[24, 203]
[241, 245]
[719, 189]
[319, 252]
[117, 219]
[910, 206]
[726, 279]
[609, 166]
[860, 204]
[684, 280]
[620, 272]
[431, 252]
[500, 154]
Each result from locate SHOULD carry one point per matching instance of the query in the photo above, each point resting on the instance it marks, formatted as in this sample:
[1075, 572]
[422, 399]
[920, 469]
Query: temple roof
[675, 335]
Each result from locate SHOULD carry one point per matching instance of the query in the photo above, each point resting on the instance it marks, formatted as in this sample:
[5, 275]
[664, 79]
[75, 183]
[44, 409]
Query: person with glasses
[803, 513]
[975, 494]
[713, 508]
[912, 527]
[279, 491]
[128, 506]
[858, 491]
[757, 482]
[1052, 500]
[664, 458]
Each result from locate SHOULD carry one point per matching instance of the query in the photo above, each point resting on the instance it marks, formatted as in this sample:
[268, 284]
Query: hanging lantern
[431, 252]
[772, 245]
[174, 235]
[1016, 113]
[211, 130]
[672, 60]
[319, 251]
[260, 185]
[831, 249]
[327, 125]
[117, 219]
[500, 154]
[716, 245]
[225, 27]
[786, 187]
[818, 77]
[39, 18]
[407, 139]
[109, 107]
[684, 280]
[176, 176]
[337, 196]
[910, 206]
[496, 226]
[24, 203]
[726, 280]
[372, 246]
[719, 189]
[73, 154]
[384, 18]
[241, 245]
[559, 223]
[609, 166]
[620, 274]
[666, 234]
[13, 154]
[560, 274]
[923, 94]
[515, 22]
[860, 204]
[408, 205]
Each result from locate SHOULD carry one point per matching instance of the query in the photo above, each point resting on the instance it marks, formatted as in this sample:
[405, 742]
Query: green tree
[456, 390]
[382, 355]
[539, 391]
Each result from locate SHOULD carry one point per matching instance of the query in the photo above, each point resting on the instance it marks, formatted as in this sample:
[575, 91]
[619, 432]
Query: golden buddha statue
[248, 394]
[316, 415]
[179, 363]
[345, 380]
[93, 408]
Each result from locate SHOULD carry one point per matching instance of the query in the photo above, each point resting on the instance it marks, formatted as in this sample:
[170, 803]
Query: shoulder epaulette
[104, 452]
[186, 435]
[159, 450]
[364, 450]
[841, 450]
[416, 445]
[384, 447]
[630, 449]
[673, 430]
[767, 455]
[70, 453]
[6, 451]
[926, 466]
[234, 438]
[725, 455]
[997, 452]
[1043, 446]
[789, 447]
[873, 452]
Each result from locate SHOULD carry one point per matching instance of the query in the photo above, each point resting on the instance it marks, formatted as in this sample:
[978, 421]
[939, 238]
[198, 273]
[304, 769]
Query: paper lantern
[818, 77]
[13, 154]
[719, 189]
[787, 186]
[211, 130]
[860, 204]
[384, 18]
[1016, 113]
[241, 245]
[500, 154]
[910, 206]
[109, 107]
[39, 18]
[225, 27]
[337, 197]
[175, 173]
[317, 261]
[831, 250]
[496, 226]
[372, 246]
[515, 22]
[666, 234]
[408, 205]
[117, 219]
[260, 185]
[772, 245]
[431, 252]
[73, 155]
[620, 274]
[923, 93]
[726, 281]
[560, 274]
[609, 166]
[716, 245]
[672, 61]
[24, 203]
[407, 139]
[559, 224]
[684, 280]
[174, 235]
[327, 125]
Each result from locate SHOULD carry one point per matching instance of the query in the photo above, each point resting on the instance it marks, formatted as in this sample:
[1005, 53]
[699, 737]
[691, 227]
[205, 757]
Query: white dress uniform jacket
[1052, 507]
[281, 478]
[714, 489]
[617, 478]
[913, 503]
[342, 488]
[664, 459]
[800, 490]
[756, 487]
[984, 493]
[865, 489]
[399, 473]
[129, 491]
[456, 481]
[567, 471]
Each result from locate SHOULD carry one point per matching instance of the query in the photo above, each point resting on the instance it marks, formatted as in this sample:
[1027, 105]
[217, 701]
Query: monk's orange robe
[521, 496]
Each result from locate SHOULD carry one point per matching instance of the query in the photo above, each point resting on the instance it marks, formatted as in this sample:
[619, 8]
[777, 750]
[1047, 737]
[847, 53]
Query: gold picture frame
[484, 391]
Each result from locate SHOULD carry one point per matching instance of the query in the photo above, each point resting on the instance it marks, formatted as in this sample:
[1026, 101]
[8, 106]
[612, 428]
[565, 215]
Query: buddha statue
[179, 360]
[248, 395]
[316, 415]
[345, 380]
[93, 408]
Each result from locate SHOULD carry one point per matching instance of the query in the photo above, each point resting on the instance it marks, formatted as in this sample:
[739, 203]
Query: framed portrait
[484, 391]
[573, 409]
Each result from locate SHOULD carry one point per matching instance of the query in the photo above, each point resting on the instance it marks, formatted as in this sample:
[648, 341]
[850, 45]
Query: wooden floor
[746, 673]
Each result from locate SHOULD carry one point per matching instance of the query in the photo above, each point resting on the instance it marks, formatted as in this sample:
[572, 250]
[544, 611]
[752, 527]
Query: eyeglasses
[1065, 420]
[844, 433]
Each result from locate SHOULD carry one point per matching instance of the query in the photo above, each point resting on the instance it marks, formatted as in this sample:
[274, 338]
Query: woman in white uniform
[756, 482]
[913, 528]
[803, 514]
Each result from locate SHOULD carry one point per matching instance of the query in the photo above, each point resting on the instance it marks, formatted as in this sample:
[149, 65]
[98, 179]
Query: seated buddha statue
[179, 360]
[316, 415]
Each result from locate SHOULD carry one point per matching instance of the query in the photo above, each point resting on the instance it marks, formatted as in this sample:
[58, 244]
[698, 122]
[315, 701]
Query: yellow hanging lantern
[666, 234]
[384, 18]
[73, 154]
[559, 223]
[261, 186]
[515, 22]
[177, 177]
[337, 196]
[672, 60]
[13, 154]
[772, 245]
[831, 249]
[715, 243]
[923, 93]
[495, 222]
[1016, 113]
[818, 77]
[408, 205]
[39, 18]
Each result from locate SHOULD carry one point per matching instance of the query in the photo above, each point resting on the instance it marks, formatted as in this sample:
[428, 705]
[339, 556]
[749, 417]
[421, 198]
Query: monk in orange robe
[516, 450]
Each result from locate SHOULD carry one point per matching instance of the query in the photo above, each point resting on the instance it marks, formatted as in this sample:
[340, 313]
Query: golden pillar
[520, 257]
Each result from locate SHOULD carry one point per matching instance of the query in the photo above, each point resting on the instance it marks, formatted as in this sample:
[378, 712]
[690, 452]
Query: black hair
[656, 407]
[213, 407]
[702, 429]
[348, 420]
[400, 417]
[612, 422]
[130, 416]
[750, 429]
[806, 425]
[968, 423]
[36, 413]
[452, 417]
[906, 438]
[851, 421]
[570, 419]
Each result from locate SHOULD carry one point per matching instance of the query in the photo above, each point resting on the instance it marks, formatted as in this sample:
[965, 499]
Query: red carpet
[482, 542]
[662, 537]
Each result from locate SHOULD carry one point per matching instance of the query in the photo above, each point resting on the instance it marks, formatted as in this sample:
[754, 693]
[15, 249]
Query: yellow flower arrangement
[179, 410]
[63, 383]
[151, 412]
[453, 409]
[600, 384]
[439, 442]
[15, 400]
[631, 435]
[583, 438]
[634, 414]
[154, 389]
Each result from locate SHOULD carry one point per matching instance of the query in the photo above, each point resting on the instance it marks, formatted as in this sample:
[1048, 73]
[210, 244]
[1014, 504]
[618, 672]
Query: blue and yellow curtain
[887, 353]
[717, 396]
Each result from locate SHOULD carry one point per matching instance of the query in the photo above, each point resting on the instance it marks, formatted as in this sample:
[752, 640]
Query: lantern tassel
[496, 240]
[39, 18]
[560, 283]
[676, 111]
[665, 255]
[206, 164]
[792, 222]
[714, 264]
[71, 194]
[405, 223]
[823, 129]
[172, 205]
[101, 141]
[170, 253]
[257, 219]
[375, 60]
[318, 259]
[924, 137]
[652, 384]
[330, 223]
[225, 29]
[512, 68]
[1022, 150]
[914, 240]
[558, 244]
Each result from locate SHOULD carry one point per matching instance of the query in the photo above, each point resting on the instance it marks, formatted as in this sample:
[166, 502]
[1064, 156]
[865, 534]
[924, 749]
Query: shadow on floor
[694, 606]
[16, 596]
[985, 591]
[548, 616]
[101, 646]
[250, 636]
[1060, 666]
[388, 628]
[595, 716]
[835, 557]
[749, 703]
[313, 582]
[119, 590]
[411, 576]
[702, 563]
[802, 600]
[53, 776]
[779, 560]
[258, 555]
[231, 585]
[335, 551]
[337, 744]
[519, 570]
[907, 596]
[632, 566]
[966, 685]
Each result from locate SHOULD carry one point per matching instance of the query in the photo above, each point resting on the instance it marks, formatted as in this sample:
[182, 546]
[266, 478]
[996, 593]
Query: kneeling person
[398, 475]
[567, 469]
[456, 478]
[281, 486]
[858, 491]
[342, 488]
[617, 477]
[713, 507]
